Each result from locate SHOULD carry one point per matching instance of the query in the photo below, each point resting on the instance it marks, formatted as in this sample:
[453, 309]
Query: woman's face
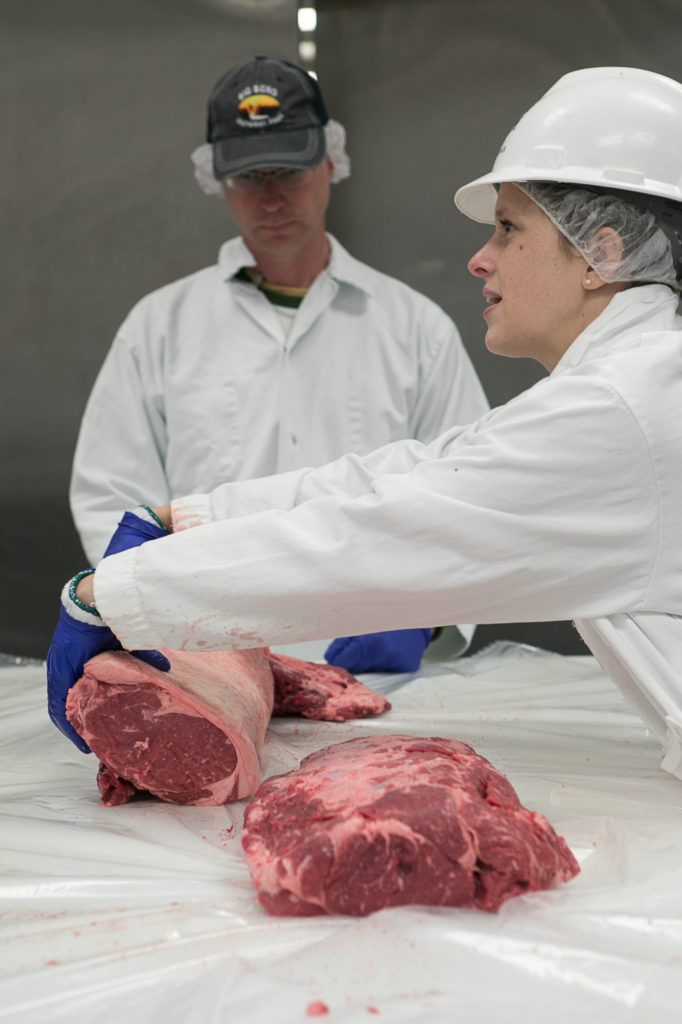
[534, 284]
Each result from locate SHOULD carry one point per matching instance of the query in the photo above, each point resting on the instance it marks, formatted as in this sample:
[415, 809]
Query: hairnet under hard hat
[648, 253]
[335, 139]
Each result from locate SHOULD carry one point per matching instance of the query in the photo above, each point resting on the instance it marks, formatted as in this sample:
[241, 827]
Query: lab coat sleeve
[120, 453]
[546, 509]
[350, 476]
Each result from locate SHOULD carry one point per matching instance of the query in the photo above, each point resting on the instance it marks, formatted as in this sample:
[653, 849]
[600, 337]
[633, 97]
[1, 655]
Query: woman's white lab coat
[566, 503]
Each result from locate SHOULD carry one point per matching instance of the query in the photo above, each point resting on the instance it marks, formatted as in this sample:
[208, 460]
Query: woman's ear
[606, 250]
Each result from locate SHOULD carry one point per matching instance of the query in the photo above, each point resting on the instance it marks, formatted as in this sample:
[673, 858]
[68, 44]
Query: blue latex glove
[397, 650]
[74, 643]
[133, 531]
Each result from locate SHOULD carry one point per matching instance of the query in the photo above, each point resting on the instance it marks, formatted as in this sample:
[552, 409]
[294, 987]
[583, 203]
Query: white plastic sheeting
[146, 912]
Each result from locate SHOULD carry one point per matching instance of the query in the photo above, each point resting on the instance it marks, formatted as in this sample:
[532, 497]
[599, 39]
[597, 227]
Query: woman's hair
[650, 230]
[335, 140]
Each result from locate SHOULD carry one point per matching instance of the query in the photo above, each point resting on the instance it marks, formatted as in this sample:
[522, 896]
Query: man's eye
[287, 174]
[506, 226]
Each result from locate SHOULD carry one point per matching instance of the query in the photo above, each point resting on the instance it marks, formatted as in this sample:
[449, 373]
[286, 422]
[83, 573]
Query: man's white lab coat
[203, 385]
[564, 503]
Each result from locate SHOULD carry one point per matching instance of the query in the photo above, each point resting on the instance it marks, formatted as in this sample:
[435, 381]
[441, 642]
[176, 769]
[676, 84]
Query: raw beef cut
[394, 820]
[193, 735]
[321, 691]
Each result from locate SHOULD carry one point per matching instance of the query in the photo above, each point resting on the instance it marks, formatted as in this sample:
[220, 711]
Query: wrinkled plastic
[146, 912]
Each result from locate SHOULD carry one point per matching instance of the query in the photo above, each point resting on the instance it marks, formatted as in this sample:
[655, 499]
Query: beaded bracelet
[92, 608]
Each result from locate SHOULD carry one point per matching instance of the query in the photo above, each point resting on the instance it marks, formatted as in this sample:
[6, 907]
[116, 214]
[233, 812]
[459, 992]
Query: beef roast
[195, 735]
[321, 691]
[394, 820]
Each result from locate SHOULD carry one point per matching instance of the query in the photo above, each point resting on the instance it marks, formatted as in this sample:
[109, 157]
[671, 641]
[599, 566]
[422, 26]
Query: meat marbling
[394, 820]
[195, 735]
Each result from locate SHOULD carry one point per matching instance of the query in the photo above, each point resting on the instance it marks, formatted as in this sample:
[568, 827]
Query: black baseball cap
[265, 113]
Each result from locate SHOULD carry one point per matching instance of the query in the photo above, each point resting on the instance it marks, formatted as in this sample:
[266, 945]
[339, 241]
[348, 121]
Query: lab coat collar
[345, 269]
[235, 254]
[655, 304]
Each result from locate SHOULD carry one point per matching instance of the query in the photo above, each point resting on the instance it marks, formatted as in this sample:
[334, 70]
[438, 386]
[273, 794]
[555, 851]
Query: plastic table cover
[146, 912]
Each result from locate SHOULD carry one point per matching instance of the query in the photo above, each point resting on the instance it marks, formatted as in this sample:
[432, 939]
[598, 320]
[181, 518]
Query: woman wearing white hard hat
[562, 504]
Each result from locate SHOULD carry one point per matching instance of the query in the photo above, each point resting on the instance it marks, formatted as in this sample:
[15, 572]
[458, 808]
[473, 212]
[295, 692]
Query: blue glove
[133, 531]
[398, 650]
[73, 643]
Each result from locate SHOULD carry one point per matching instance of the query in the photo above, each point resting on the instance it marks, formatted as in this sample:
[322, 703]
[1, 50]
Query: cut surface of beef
[394, 820]
[321, 691]
[193, 735]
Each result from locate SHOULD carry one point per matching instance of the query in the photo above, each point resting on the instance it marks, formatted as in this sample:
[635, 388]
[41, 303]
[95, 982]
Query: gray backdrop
[104, 102]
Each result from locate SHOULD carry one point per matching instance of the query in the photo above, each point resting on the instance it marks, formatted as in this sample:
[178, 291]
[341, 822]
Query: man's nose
[272, 193]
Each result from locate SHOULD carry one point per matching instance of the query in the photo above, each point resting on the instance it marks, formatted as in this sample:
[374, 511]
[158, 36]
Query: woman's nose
[480, 263]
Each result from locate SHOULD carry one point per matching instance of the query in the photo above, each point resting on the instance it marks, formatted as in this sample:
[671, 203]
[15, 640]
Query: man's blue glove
[133, 530]
[398, 650]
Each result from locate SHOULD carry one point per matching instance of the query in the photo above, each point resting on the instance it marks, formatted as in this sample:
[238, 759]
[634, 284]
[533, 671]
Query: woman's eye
[506, 226]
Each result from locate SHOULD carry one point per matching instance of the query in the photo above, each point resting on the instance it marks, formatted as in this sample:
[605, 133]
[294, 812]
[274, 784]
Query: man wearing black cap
[269, 153]
[287, 353]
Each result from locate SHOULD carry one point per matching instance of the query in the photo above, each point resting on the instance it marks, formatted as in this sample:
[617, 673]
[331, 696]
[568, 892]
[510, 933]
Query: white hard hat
[607, 127]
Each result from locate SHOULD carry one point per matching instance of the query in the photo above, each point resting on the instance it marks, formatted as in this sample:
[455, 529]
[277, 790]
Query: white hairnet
[335, 139]
[649, 252]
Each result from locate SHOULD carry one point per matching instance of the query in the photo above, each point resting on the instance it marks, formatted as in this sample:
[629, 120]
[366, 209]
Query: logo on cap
[258, 107]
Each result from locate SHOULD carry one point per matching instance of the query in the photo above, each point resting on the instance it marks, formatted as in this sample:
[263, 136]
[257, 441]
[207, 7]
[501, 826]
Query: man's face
[274, 218]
